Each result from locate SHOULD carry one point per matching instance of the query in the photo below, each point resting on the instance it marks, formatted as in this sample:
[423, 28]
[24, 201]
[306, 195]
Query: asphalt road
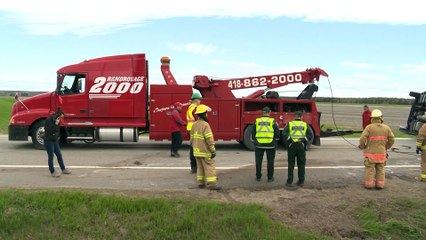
[147, 166]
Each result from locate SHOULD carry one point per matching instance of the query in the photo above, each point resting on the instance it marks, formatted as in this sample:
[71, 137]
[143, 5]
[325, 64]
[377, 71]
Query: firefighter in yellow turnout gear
[375, 140]
[202, 142]
[421, 147]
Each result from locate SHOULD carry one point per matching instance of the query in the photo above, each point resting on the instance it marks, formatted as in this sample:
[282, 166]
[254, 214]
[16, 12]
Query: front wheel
[36, 134]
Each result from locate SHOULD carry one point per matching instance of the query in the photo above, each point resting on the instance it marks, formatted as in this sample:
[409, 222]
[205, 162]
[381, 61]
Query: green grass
[401, 218]
[5, 111]
[80, 215]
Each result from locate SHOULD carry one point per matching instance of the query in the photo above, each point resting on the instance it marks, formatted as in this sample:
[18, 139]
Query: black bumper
[18, 133]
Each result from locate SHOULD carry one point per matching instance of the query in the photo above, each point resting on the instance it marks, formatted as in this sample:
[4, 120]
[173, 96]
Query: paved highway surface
[147, 165]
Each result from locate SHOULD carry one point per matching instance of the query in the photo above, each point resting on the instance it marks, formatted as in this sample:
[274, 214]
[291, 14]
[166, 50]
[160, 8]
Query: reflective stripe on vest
[264, 130]
[376, 157]
[190, 119]
[297, 130]
[378, 138]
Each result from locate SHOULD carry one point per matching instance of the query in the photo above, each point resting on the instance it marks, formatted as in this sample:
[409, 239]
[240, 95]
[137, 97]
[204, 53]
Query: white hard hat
[376, 113]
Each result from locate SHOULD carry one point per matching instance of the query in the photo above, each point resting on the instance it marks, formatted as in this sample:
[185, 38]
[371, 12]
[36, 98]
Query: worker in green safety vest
[265, 135]
[298, 134]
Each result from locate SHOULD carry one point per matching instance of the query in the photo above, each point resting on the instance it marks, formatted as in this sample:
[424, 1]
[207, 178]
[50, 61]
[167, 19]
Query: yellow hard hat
[202, 109]
[376, 113]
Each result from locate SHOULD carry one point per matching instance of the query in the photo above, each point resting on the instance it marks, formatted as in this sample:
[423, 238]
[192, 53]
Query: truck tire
[248, 143]
[37, 128]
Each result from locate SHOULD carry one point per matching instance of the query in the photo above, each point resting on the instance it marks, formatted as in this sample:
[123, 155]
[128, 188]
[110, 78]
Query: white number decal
[123, 87]
[109, 87]
[298, 77]
[274, 80]
[97, 87]
[102, 86]
[263, 81]
[136, 88]
[255, 82]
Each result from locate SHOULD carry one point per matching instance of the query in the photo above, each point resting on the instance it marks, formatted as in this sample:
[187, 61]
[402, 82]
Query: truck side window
[73, 84]
[293, 107]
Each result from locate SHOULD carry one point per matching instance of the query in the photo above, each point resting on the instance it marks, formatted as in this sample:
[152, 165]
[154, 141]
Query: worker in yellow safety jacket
[298, 134]
[421, 147]
[265, 135]
[202, 142]
[190, 119]
[376, 138]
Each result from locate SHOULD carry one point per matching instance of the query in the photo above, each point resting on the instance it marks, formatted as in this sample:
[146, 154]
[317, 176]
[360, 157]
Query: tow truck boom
[213, 88]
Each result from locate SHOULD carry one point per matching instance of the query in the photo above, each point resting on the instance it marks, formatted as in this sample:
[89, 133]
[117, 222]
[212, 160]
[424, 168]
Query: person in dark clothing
[298, 134]
[265, 135]
[51, 142]
[175, 128]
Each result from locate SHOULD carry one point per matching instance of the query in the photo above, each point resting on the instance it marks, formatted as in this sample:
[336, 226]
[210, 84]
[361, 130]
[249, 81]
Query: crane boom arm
[223, 88]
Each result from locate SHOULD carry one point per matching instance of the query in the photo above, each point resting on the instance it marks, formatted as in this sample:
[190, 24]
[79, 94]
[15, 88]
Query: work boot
[56, 174]
[202, 186]
[300, 184]
[420, 179]
[193, 170]
[271, 179]
[258, 179]
[288, 185]
[172, 154]
[66, 171]
[177, 155]
[215, 188]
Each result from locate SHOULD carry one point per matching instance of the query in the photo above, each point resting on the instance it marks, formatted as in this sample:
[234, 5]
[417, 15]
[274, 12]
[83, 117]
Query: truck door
[72, 97]
[229, 119]
[213, 115]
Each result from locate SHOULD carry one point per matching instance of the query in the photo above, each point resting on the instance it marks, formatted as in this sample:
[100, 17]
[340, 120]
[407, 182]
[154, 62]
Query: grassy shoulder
[402, 218]
[79, 215]
[5, 110]
[397, 133]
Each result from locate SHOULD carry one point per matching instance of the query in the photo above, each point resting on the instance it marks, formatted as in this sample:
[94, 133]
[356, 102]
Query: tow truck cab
[103, 99]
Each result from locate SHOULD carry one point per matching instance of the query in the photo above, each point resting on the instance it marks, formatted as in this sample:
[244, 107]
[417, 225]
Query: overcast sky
[369, 48]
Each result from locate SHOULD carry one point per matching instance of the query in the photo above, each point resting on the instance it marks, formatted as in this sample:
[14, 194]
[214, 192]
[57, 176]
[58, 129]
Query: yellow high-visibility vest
[264, 130]
[190, 119]
[297, 130]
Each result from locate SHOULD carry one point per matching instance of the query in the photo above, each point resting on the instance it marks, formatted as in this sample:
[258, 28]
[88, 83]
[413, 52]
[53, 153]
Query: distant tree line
[370, 100]
[21, 93]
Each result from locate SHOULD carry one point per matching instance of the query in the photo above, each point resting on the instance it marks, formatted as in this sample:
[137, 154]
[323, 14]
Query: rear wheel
[36, 134]
[248, 142]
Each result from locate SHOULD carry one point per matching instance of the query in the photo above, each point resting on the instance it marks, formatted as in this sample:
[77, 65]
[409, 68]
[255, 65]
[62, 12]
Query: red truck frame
[107, 99]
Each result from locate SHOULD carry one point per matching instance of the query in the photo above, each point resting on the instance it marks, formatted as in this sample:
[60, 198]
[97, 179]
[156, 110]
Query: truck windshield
[72, 84]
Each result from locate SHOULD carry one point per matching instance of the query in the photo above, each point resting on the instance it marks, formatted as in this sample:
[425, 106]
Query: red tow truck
[107, 99]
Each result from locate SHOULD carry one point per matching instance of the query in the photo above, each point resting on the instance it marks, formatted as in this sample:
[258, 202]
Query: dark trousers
[52, 147]
[270, 156]
[296, 151]
[192, 159]
[176, 141]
